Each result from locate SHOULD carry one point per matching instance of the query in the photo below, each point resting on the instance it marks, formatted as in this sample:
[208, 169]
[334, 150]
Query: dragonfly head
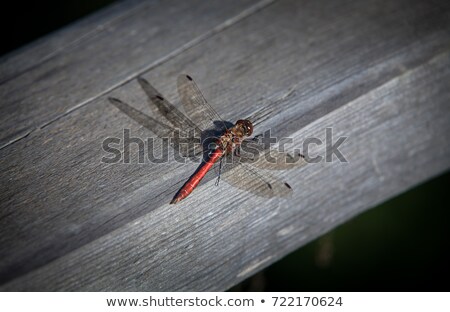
[245, 126]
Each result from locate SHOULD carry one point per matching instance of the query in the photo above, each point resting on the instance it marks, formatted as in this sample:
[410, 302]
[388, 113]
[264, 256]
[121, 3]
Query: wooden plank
[185, 248]
[70, 222]
[100, 53]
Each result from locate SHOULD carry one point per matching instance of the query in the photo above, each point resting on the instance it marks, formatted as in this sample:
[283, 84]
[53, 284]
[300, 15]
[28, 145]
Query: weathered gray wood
[375, 71]
[100, 53]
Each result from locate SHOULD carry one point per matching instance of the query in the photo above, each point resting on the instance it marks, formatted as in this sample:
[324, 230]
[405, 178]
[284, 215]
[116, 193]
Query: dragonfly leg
[220, 171]
[237, 151]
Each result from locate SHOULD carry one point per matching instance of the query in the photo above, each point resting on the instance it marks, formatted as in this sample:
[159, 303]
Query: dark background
[24, 21]
[399, 245]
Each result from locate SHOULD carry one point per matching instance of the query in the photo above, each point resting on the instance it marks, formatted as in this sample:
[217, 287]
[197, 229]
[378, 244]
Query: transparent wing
[167, 109]
[254, 153]
[195, 104]
[246, 178]
[187, 144]
[244, 170]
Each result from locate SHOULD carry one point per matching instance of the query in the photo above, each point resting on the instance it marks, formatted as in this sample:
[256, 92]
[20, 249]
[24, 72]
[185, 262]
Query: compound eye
[248, 127]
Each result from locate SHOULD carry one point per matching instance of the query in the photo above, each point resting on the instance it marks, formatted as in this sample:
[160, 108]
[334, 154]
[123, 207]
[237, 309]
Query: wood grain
[374, 71]
[98, 54]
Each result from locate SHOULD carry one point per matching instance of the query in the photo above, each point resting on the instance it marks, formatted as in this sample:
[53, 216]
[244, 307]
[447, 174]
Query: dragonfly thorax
[233, 137]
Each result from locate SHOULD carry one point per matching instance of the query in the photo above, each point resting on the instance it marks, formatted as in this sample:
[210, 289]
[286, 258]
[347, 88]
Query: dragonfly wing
[248, 178]
[254, 153]
[188, 146]
[195, 104]
[167, 109]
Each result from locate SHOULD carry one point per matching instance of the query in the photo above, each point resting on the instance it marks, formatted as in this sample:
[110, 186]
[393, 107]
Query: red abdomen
[195, 179]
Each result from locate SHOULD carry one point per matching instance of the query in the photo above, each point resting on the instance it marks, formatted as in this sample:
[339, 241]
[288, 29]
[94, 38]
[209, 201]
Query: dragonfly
[239, 159]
